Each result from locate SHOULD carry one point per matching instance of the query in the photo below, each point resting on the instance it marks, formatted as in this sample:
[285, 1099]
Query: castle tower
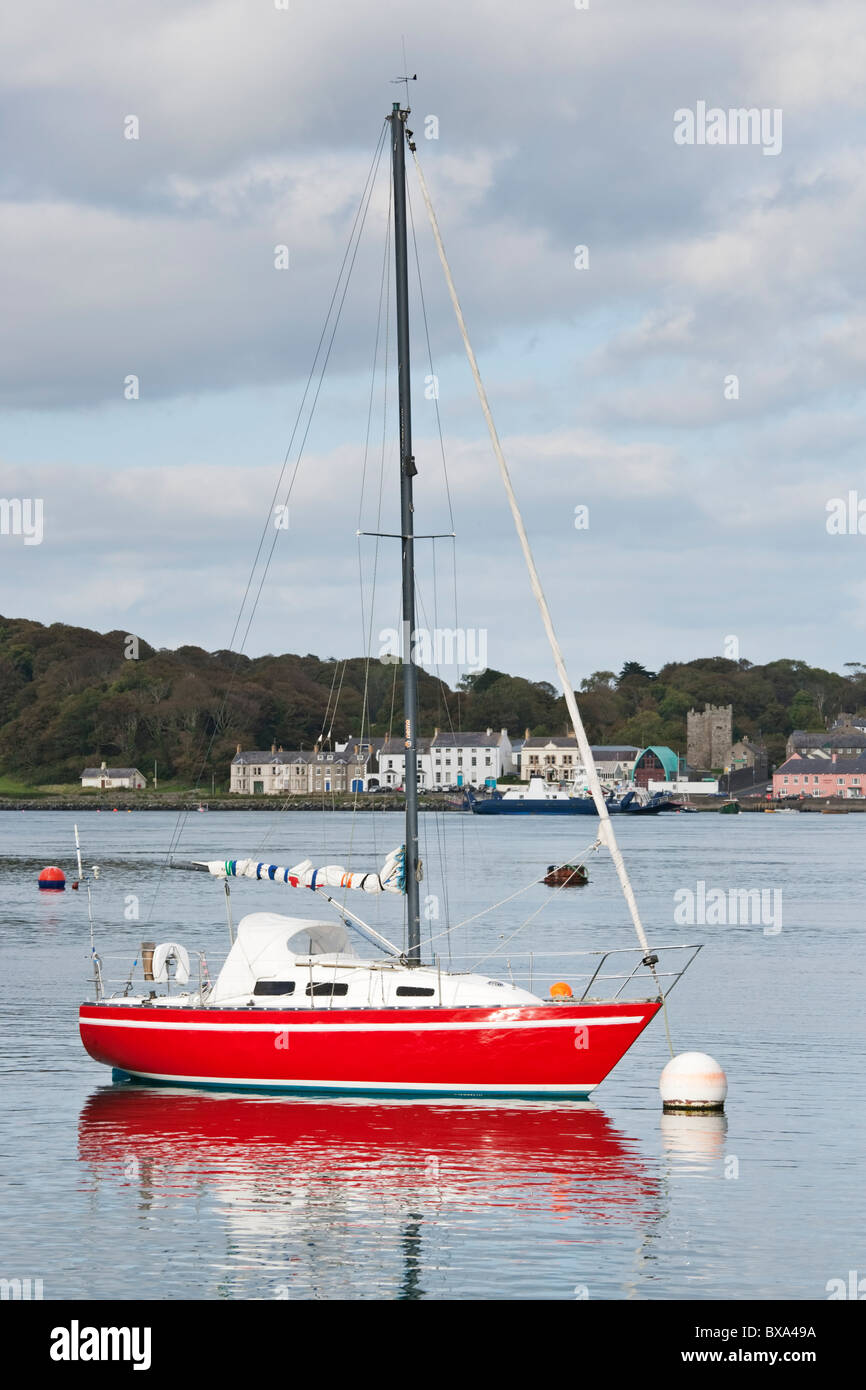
[709, 735]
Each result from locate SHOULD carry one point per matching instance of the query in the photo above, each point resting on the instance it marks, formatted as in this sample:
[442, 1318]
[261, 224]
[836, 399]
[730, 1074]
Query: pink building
[836, 776]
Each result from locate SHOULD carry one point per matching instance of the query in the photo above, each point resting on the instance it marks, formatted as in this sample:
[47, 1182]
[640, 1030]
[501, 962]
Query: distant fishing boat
[295, 1008]
[730, 808]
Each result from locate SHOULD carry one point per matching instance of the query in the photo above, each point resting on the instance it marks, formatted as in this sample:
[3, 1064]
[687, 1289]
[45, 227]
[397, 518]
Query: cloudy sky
[612, 384]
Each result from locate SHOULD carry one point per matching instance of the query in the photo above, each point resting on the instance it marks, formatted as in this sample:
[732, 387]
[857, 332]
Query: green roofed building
[655, 764]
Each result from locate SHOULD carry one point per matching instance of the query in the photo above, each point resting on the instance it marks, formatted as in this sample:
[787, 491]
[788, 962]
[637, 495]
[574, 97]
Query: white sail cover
[389, 878]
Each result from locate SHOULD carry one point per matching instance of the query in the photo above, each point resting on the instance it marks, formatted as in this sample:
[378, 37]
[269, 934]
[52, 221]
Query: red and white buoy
[52, 878]
[693, 1081]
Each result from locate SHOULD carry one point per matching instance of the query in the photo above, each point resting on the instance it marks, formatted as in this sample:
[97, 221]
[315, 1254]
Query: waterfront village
[824, 764]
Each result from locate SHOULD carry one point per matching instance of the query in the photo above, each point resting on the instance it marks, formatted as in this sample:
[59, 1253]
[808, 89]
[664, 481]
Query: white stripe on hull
[303, 1027]
[469, 1088]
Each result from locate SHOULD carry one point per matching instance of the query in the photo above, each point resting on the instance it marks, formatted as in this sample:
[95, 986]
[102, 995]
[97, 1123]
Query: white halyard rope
[606, 832]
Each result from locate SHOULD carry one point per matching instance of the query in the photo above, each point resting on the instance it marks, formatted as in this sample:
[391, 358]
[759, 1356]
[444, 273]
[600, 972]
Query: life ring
[161, 957]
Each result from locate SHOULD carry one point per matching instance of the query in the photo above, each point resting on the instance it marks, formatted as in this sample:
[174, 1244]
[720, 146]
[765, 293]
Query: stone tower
[709, 736]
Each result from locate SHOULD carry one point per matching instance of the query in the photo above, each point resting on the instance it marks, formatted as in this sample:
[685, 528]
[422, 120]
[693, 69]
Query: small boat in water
[730, 808]
[566, 876]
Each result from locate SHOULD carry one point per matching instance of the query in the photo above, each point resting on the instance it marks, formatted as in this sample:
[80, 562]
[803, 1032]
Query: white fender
[160, 962]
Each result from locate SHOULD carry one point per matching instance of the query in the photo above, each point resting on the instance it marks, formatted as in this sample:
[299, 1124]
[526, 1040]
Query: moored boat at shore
[540, 798]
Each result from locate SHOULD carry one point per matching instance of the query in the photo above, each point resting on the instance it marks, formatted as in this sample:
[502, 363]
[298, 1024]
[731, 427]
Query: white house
[392, 762]
[449, 759]
[112, 778]
[470, 759]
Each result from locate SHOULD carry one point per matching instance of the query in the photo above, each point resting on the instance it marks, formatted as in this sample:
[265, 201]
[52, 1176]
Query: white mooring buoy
[693, 1081]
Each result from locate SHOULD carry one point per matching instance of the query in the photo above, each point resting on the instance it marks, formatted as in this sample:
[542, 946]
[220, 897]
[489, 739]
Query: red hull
[534, 1050]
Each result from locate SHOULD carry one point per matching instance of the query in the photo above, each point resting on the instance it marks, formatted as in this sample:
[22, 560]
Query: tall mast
[407, 473]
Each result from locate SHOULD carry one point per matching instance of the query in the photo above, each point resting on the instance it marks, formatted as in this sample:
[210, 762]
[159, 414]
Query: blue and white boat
[541, 798]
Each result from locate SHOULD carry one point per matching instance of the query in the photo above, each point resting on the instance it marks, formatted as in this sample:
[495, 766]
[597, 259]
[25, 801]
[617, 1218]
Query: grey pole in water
[407, 473]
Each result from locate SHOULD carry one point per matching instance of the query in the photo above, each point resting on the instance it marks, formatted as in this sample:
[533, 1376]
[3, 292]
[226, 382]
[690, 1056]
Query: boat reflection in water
[365, 1178]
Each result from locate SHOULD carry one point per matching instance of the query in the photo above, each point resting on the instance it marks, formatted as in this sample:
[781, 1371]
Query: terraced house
[821, 776]
[450, 759]
[298, 772]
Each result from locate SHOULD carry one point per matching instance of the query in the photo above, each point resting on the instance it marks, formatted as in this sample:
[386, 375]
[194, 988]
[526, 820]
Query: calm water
[119, 1192]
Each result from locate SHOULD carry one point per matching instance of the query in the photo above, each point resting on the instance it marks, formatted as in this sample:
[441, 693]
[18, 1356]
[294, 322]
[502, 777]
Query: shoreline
[367, 803]
[237, 803]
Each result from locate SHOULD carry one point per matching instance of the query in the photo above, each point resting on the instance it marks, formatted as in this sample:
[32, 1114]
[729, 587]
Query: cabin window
[328, 988]
[274, 987]
[414, 991]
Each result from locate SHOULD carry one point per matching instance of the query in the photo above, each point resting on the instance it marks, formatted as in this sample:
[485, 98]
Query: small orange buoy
[561, 990]
[52, 877]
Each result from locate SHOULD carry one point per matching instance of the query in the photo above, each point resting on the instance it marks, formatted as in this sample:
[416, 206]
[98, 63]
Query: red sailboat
[296, 1009]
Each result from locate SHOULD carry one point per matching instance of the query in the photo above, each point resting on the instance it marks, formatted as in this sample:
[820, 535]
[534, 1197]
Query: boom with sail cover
[389, 878]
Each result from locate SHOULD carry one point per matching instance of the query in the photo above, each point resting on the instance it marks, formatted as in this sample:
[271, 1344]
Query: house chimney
[526, 733]
[281, 749]
[273, 748]
[488, 732]
[238, 749]
[436, 732]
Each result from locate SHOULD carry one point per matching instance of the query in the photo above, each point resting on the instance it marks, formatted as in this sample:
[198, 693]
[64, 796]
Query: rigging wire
[349, 257]
[383, 316]
[533, 883]
[606, 830]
